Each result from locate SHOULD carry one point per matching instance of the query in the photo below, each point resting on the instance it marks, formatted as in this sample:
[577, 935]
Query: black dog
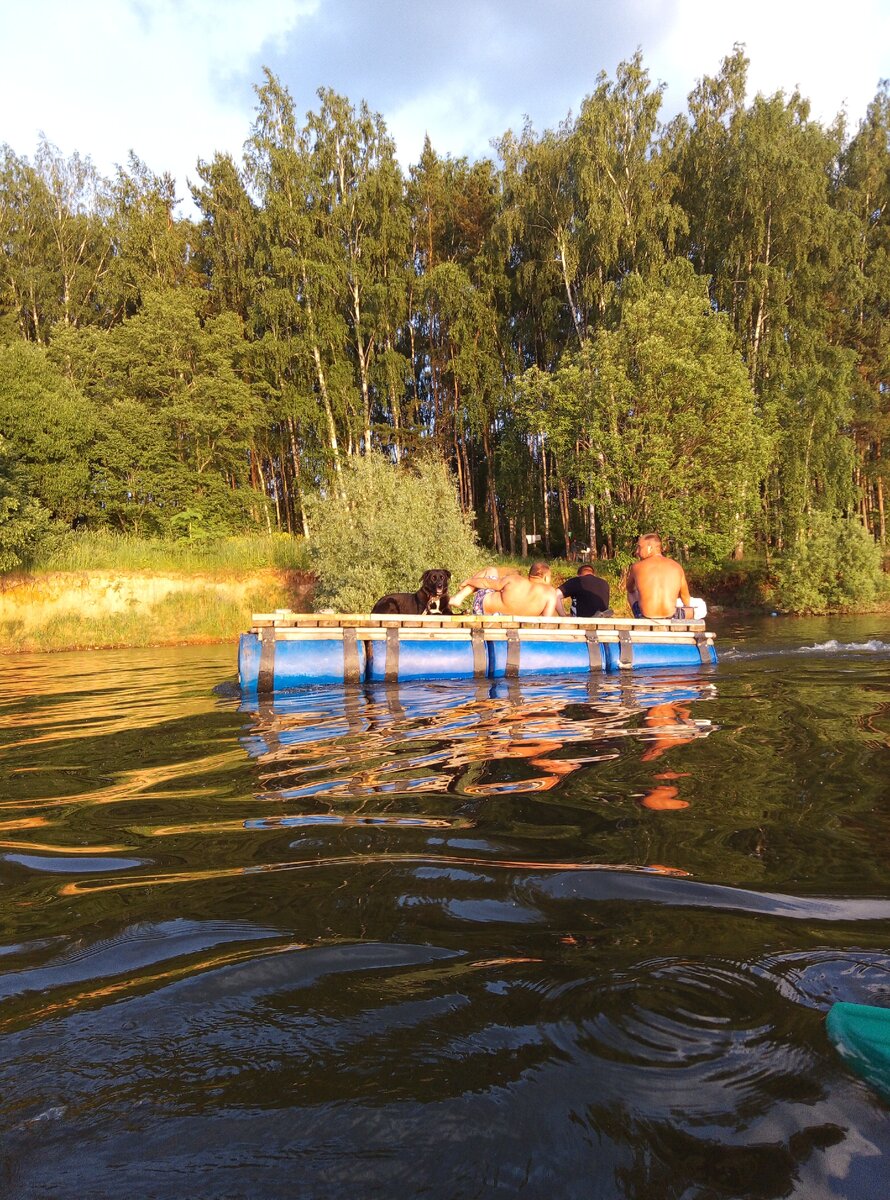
[431, 598]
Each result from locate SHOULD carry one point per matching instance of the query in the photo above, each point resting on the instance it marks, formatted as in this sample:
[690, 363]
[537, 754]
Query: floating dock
[286, 649]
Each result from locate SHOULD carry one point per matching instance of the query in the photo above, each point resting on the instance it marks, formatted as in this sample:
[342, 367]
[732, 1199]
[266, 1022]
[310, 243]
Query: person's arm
[633, 593]
[683, 601]
[560, 604]
[550, 608]
[684, 588]
[483, 580]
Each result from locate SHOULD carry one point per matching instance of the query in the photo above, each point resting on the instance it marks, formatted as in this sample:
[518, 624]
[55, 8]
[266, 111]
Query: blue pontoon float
[286, 649]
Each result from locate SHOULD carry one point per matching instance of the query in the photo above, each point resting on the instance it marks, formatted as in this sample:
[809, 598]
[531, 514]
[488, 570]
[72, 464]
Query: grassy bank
[123, 553]
[200, 611]
[103, 590]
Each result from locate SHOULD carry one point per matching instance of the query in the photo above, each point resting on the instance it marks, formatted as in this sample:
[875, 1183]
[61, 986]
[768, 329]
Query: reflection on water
[542, 937]
[475, 740]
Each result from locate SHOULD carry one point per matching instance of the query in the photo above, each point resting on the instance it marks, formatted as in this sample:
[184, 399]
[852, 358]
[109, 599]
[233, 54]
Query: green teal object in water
[861, 1032]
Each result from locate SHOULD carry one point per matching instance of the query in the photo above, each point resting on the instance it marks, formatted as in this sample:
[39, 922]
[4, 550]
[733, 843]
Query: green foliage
[395, 524]
[837, 565]
[50, 430]
[104, 550]
[57, 245]
[619, 325]
[759, 185]
[864, 196]
[664, 414]
[175, 415]
[25, 525]
[740, 583]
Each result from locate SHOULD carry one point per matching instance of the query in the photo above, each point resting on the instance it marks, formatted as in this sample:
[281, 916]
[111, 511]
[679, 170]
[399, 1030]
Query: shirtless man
[655, 584]
[507, 593]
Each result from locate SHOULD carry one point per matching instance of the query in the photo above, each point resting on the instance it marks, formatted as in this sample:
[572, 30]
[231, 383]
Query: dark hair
[586, 569]
[537, 570]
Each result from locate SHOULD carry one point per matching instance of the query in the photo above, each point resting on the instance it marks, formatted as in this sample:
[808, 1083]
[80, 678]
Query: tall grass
[102, 550]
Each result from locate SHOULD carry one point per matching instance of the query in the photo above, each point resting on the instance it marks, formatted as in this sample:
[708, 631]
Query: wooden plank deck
[284, 621]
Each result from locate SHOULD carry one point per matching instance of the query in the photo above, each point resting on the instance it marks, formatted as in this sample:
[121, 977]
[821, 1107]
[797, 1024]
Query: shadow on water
[542, 937]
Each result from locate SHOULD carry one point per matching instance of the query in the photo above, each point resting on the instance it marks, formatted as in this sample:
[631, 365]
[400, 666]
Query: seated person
[482, 579]
[656, 584]
[588, 594]
[503, 591]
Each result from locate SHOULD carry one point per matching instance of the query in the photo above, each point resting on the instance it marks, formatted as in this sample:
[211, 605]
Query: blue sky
[173, 79]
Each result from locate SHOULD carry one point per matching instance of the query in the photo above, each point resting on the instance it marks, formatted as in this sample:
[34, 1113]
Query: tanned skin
[656, 582]
[512, 595]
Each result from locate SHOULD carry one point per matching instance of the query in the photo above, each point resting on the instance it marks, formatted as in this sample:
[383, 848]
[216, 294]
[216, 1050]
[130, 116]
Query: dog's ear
[447, 574]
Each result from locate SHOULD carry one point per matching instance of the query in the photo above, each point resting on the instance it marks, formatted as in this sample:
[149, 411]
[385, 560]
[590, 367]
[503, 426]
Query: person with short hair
[500, 591]
[481, 580]
[587, 593]
[656, 584]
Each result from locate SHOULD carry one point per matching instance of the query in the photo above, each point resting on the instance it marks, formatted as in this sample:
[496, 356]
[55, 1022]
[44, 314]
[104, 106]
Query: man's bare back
[524, 598]
[655, 583]
[514, 595]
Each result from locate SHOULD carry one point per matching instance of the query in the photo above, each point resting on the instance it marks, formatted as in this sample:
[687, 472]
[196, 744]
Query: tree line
[615, 325]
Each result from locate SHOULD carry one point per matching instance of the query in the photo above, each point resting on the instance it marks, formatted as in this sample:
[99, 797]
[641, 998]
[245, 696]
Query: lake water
[556, 938]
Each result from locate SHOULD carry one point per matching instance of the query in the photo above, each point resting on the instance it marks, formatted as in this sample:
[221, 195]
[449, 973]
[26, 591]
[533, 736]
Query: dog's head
[435, 584]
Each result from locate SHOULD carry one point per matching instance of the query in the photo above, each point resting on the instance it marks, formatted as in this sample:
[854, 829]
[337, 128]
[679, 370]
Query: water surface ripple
[549, 937]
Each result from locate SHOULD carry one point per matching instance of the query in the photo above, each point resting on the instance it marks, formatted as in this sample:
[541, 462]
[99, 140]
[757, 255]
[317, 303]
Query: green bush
[25, 525]
[396, 523]
[837, 565]
[737, 583]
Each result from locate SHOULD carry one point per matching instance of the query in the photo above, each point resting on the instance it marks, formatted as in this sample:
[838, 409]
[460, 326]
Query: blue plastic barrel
[249, 651]
[657, 654]
[269, 665]
[398, 659]
[526, 656]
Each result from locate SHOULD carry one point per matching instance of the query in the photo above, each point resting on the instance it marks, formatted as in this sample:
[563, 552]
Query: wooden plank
[662, 637]
[289, 620]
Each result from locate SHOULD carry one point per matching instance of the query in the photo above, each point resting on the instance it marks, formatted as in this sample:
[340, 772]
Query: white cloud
[104, 78]
[457, 117]
[834, 56]
[171, 79]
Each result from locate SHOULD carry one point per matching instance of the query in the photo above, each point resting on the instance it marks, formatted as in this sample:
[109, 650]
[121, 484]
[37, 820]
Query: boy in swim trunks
[478, 586]
[478, 606]
[503, 591]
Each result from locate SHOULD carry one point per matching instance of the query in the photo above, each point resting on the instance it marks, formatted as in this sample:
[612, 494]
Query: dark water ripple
[545, 938]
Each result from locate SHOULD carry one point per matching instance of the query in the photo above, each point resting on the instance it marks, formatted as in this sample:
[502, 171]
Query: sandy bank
[72, 610]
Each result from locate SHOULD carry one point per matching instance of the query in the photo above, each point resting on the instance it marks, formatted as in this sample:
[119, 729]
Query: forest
[620, 324]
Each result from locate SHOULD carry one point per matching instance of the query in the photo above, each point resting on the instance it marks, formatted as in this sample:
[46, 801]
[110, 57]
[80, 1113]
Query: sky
[173, 80]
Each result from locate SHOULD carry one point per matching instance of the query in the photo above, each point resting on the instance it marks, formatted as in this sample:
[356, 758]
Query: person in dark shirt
[587, 593]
